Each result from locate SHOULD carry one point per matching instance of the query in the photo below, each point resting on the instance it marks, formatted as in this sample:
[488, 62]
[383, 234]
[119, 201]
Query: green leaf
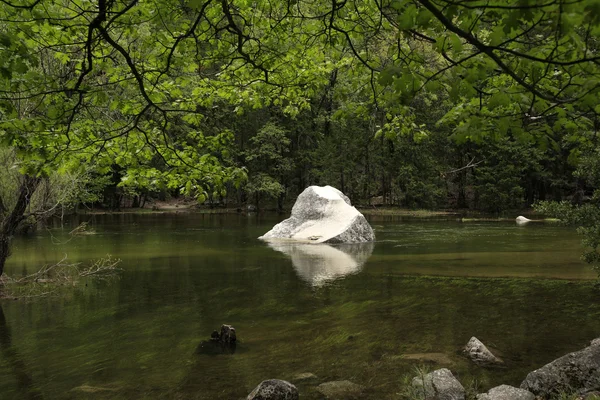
[456, 43]
[406, 20]
[498, 99]
[5, 40]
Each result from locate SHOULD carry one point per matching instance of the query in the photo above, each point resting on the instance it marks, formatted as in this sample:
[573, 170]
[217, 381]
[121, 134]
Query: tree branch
[488, 50]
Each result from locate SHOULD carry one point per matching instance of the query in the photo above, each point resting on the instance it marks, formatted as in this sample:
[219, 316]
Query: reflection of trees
[13, 359]
[319, 264]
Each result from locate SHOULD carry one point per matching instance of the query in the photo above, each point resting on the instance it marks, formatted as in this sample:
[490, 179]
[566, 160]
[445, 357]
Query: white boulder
[322, 214]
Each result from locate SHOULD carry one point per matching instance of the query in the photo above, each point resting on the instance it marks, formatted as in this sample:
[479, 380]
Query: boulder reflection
[319, 264]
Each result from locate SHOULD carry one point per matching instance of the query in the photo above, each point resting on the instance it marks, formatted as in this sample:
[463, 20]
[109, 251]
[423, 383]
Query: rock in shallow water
[439, 385]
[227, 334]
[480, 354]
[341, 390]
[304, 377]
[576, 372]
[323, 214]
[435, 358]
[219, 343]
[274, 389]
[506, 392]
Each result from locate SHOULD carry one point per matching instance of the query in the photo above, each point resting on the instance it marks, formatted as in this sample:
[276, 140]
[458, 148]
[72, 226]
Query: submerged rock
[304, 377]
[94, 389]
[274, 389]
[435, 358]
[341, 390]
[321, 264]
[439, 385]
[506, 392]
[323, 214]
[480, 354]
[575, 372]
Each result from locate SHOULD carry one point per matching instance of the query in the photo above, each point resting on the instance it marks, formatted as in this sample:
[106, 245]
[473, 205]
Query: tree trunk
[11, 222]
[280, 200]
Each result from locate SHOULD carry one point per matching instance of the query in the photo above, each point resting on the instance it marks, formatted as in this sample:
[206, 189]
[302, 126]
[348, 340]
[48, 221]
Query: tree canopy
[132, 82]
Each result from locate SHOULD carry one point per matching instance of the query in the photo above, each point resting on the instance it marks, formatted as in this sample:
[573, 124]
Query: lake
[369, 314]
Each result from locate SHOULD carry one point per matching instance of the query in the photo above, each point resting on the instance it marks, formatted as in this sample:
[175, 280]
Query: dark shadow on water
[13, 359]
[214, 348]
[319, 264]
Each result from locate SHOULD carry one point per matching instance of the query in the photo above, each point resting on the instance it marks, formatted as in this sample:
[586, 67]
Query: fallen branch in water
[48, 279]
[104, 267]
[81, 230]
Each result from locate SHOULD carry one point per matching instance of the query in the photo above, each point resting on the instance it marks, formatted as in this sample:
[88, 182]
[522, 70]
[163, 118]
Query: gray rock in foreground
[576, 372]
[438, 385]
[341, 390]
[480, 354]
[322, 214]
[274, 389]
[505, 392]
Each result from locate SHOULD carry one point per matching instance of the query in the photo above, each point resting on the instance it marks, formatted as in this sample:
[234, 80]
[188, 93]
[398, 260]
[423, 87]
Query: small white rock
[479, 353]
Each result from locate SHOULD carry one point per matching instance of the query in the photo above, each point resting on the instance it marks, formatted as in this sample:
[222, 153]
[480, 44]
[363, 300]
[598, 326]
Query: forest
[487, 105]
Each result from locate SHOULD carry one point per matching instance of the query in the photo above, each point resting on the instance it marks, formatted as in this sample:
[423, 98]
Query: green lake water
[341, 313]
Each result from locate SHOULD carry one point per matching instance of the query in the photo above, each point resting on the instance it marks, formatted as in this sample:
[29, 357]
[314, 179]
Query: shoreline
[461, 214]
